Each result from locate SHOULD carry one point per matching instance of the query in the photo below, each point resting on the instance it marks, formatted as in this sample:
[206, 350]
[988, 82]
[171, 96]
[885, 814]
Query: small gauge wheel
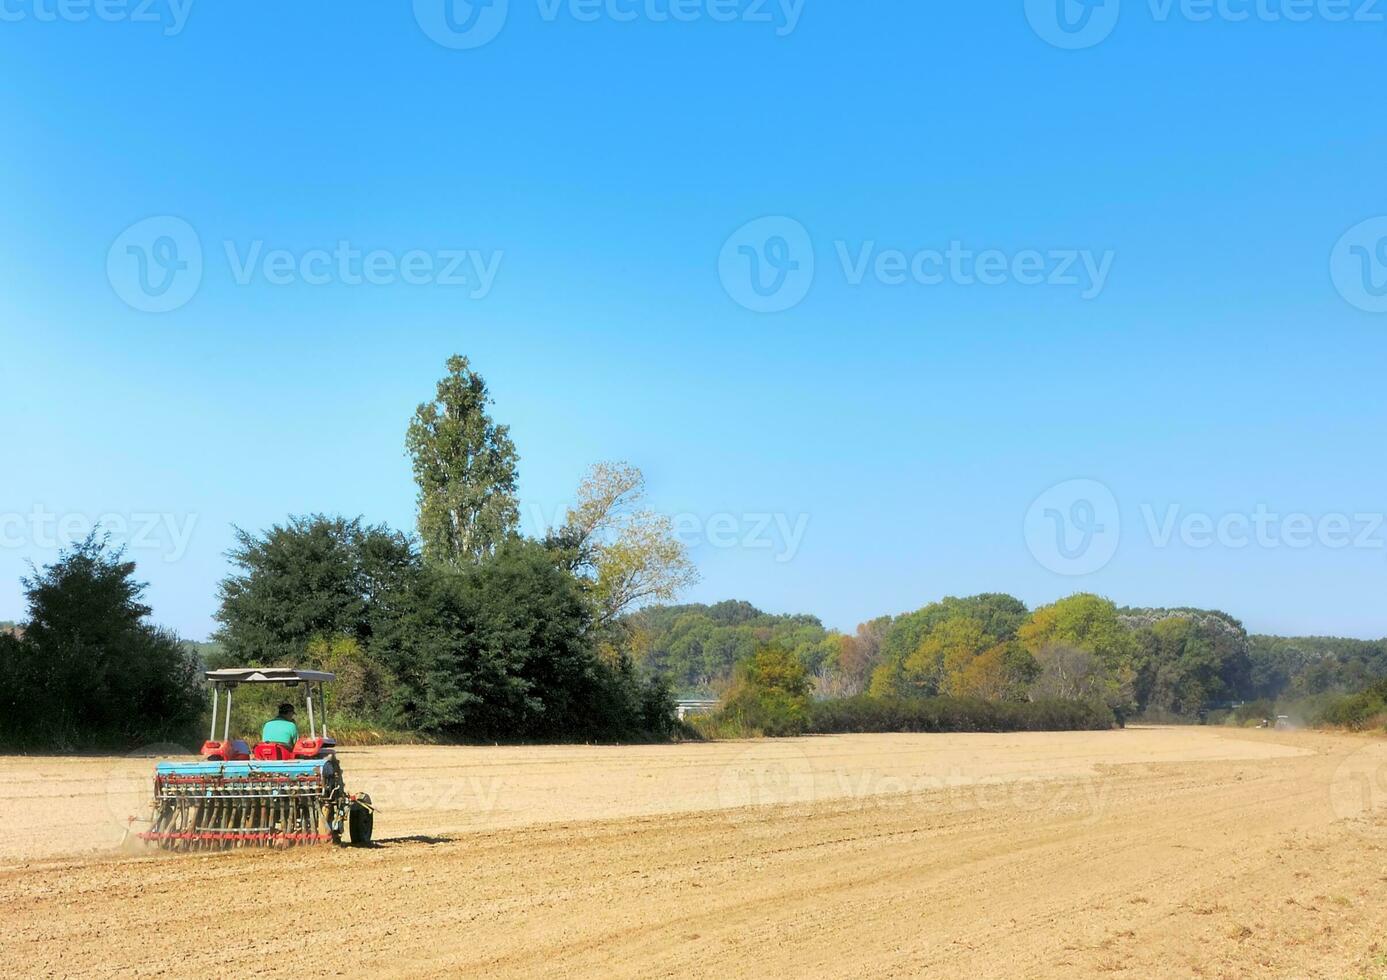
[361, 820]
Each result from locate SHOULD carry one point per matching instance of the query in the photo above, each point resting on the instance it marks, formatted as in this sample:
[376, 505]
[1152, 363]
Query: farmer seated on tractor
[281, 728]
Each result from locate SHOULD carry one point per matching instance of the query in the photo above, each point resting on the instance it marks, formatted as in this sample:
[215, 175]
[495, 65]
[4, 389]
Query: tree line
[467, 629]
[463, 629]
[1153, 663]
[88, 668]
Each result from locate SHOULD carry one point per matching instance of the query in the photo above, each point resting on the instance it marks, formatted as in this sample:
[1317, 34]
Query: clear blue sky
[607, 163]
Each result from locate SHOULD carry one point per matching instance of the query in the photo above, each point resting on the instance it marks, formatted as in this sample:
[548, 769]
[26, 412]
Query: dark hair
[286, 709]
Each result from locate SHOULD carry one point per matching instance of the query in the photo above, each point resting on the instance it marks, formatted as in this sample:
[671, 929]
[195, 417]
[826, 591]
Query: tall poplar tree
[465, 465]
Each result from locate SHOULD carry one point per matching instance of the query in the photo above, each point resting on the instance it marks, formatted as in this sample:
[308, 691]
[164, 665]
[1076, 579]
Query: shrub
[769, 694]
[361, 691]
[1357, 711]
[659, 716]
[945, 714]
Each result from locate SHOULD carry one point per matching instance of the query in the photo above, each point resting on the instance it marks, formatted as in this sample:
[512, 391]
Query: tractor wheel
[360, 821]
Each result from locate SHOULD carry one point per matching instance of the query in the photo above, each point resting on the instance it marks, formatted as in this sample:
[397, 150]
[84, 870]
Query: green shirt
[280, 730]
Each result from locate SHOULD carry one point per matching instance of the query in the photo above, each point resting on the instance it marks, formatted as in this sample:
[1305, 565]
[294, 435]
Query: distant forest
[1184, 661]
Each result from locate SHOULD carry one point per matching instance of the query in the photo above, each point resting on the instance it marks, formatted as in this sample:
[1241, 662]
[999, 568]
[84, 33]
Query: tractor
[266, 795]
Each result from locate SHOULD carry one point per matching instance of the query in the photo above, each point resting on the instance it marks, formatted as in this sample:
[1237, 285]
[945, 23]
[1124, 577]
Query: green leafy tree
[465, 466]
[769, 693]
[999, 614]
[698, 646]
[855, 658]
[1083, 620]
[1001, 673]
[1188, 659]
[503, 650]
[362, 687]
[1083, 624]
[310, 577]
[91, 669]
[624, 554]
[16, 686]
[946, 650]
[1069, 673]
[1303, 666]
[920, 650]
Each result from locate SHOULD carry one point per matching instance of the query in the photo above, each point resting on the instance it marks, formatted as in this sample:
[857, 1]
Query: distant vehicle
[1283, 721]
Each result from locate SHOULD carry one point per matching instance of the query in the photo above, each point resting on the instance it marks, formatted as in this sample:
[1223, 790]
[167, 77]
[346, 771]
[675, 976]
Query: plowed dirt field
[1143, 853]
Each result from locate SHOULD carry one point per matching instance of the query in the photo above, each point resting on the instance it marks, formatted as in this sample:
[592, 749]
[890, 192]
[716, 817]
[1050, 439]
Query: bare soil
[1145, 853]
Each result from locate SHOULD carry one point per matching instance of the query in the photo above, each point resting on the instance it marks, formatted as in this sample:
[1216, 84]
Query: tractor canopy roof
[268, 675]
